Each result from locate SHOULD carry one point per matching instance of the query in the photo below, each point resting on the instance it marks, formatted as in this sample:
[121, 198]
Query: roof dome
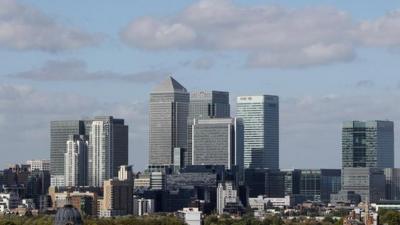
[68, 215]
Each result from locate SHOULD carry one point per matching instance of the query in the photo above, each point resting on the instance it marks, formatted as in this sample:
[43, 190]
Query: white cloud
[76, 70]
[382, 32]
[23, 27]
[272, 36]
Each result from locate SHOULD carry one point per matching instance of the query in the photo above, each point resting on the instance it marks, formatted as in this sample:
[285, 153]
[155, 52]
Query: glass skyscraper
[368, 144]
[169, 107]
[260, 116]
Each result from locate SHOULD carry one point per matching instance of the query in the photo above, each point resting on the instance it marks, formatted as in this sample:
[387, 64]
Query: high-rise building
[260, 116]
[39, 164]
[368, 144]
[59, 134]
[169, 107]
[205, 105]
[76, 161]
[108, 149]
[218, 142]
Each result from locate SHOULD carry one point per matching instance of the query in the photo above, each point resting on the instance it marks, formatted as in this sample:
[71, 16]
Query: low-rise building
[191, 216]
[142, 206]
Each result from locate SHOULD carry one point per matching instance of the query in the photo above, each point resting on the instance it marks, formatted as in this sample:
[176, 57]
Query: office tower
[392, 177]
[125, 173]
[118, 198]
[108, 148]
[319, 184]
[59, 134]
[205, 105]
[369, 183]
[368, 144]
[39, 164]
[260, 116]
[76, 161]
[169, 106]
[218, 142]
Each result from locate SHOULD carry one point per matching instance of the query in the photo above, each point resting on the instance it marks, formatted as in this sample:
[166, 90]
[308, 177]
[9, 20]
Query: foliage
[389, 217]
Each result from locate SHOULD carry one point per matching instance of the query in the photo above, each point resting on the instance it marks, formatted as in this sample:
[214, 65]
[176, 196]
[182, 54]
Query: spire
[169, 85]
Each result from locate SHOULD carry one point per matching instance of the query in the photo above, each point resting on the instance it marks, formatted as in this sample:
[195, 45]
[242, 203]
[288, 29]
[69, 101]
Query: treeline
[168, 220]
[48, 220]
[272, 220]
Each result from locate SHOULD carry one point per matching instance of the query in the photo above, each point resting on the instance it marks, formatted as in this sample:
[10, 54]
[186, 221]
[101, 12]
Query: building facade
[59, 134]
[369, 183]
[392, 177]
[169, 107]
[318, 184]
[39, 164]
[108, 149]
[260, 116]
[368, 144]
[76, 161]
[218, 142]
[118, 198]
[205, 105]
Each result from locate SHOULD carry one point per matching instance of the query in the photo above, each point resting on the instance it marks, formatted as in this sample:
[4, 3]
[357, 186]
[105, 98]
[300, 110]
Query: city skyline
[107, 71]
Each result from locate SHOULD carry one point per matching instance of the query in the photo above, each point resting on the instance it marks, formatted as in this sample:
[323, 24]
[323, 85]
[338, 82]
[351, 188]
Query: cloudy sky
[329, 61]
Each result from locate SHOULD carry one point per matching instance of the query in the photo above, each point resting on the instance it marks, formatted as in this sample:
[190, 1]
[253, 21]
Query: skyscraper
[76, 161]
[368, 144]
[169, 106]
[108, 149]
[205, 105]
[260, 116]
[218, 142]
[59, 134]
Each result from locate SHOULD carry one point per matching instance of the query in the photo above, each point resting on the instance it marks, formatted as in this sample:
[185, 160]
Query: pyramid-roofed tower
[169, 85]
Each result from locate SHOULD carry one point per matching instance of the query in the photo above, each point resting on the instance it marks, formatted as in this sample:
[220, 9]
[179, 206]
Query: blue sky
[329, 61]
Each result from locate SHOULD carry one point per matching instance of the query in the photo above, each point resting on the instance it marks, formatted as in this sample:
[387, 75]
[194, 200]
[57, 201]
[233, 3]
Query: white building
[261, 203]
[191, 216]
[125, 173]
[75, 161]
[225, 194]
[39, 164]
[8, 201]
[142, 206]
[260, 115]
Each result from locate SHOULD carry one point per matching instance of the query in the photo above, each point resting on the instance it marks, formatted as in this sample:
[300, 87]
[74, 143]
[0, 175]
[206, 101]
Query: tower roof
[169, 85]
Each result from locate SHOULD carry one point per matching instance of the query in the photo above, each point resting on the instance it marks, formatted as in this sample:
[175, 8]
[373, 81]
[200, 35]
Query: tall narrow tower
[260, 116]
[169, 107]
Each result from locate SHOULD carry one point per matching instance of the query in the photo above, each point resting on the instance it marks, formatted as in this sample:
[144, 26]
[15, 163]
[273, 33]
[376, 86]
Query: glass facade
[368, 144]
[317, 185]
[260, 116]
